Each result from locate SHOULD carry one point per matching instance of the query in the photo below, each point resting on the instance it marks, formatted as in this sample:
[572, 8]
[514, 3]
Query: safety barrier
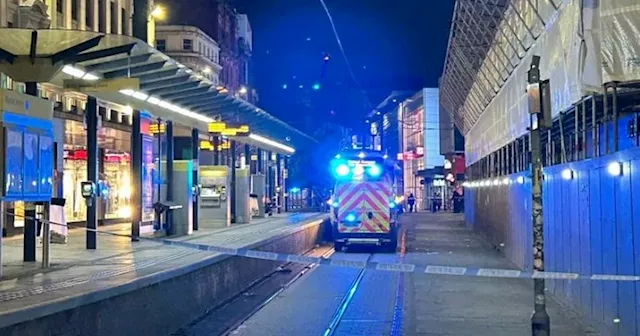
[378, 266]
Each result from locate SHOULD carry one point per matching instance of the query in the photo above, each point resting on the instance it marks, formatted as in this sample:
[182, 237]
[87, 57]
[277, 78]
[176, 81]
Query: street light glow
[158, 13]
[614, 169]
[243, 90]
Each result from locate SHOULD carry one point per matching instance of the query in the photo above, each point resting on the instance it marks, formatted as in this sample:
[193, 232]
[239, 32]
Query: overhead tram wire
[344, 54]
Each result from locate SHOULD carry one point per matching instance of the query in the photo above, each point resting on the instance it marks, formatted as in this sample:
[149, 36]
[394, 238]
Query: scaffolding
[586, 47]
[488, 40]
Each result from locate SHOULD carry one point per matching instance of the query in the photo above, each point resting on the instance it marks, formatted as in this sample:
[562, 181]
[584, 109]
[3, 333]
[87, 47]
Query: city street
[343, 301]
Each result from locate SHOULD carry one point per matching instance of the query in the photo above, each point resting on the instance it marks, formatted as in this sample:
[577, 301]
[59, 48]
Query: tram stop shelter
[125, 70]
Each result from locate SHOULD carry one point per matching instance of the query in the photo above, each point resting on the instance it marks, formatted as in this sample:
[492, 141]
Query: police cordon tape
[378, 266]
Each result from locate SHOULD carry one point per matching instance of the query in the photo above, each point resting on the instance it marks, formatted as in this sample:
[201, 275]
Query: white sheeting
[573, 51]
[620, 24]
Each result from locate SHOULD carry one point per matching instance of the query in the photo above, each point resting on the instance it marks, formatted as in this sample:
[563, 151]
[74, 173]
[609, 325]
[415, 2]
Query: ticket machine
[258, 187]
[243, 199]
[215, 208]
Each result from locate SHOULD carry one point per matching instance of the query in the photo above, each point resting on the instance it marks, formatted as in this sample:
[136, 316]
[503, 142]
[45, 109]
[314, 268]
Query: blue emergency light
[350, 217]
[342, 170]
[375, 170]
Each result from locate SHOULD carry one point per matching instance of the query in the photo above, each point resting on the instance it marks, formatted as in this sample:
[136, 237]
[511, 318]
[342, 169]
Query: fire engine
[363, 206]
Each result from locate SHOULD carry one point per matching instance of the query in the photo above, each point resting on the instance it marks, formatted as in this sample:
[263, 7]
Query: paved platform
[387, 303]
[76, 272]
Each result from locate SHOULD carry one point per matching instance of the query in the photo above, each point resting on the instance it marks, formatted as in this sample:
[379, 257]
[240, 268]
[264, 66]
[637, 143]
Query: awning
[168, 89]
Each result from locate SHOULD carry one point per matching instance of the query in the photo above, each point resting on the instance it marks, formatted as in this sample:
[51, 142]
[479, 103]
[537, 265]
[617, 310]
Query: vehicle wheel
[338, 246]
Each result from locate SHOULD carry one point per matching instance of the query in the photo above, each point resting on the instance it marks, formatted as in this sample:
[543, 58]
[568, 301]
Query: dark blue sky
[391, 45]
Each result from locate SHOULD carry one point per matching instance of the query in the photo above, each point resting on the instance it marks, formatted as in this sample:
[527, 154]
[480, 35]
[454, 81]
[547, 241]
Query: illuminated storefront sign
[221, 128]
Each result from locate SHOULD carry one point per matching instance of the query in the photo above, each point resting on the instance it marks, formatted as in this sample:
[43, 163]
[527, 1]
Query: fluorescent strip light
[90, 77]
[75, 72]
[153, 100]
[272, 143]
[140, 95]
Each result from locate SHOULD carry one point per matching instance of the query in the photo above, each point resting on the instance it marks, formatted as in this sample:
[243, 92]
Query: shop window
[187, 44]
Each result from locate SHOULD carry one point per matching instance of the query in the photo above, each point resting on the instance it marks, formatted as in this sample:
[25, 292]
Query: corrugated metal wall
[592, 225]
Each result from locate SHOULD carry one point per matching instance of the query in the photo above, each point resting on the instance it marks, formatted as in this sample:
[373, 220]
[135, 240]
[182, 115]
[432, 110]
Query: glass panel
[148, 173]
[13, 182]
[75, 171]
[31, 163]
[117, 176]
[46, 164]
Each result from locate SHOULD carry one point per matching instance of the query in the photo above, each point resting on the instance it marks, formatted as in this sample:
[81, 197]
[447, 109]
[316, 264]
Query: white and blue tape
[382, 266]
[402, 267]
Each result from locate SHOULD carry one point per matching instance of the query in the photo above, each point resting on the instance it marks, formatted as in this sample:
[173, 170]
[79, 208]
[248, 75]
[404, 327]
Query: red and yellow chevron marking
[361, 198]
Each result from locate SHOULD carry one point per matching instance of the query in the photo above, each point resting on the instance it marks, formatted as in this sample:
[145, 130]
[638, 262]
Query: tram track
[346, 301]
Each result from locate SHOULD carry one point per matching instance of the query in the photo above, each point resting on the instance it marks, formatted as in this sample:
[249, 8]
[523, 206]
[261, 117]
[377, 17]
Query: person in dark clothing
[411, 200]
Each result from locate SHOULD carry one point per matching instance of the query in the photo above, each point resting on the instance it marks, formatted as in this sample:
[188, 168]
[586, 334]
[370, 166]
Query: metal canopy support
[195, 157]
[197, 101]
[136, 175]
[170, 153]
[176, 88]
[199, 89]
[158, 75]
[118, 63]
[232, 186]
[133, 71]
[7, 56]
[93, 55]
[159, 84]
[76, 49]
[92, 169]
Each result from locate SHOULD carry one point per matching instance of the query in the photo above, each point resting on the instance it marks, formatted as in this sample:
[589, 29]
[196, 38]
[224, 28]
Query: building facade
[109, 17]
[105, 16]
[245, 49]
[192, 47]
[422, 163]
[221, 24]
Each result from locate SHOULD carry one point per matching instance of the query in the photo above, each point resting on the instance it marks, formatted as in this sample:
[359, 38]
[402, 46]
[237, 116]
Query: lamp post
[540, 116]
[156, 13]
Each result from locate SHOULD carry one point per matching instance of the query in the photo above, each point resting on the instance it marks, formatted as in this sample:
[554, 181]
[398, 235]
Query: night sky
[391, 45]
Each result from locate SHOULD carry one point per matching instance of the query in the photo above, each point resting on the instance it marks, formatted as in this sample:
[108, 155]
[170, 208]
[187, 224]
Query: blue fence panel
[624, 230]
[597, 296]
[564, 213]
[634, 176]
[610, 260]
[574, 234]
[585, 236]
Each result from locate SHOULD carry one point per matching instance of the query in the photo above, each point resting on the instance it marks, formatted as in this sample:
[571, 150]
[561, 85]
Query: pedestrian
[411, 200]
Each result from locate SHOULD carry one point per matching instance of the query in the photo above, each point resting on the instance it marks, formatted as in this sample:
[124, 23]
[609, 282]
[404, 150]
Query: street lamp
[243, 90]
[158, 13]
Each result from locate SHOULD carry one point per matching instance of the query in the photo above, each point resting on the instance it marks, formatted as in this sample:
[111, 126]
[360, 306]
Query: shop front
[114, 169]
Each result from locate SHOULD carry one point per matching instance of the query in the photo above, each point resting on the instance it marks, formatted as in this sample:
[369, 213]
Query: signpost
[540, 114]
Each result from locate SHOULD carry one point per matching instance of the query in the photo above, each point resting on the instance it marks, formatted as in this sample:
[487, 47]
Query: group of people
[436, 202]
